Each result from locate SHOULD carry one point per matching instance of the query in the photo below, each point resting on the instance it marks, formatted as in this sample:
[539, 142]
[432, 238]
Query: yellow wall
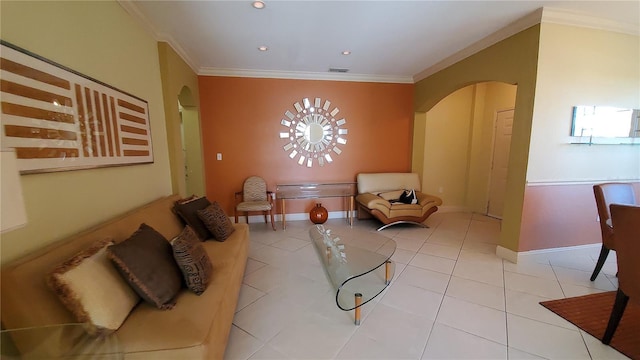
[176, 75]
[491, 97]
[580, 66]
[458, 143]
[101, 40]
[192, 144]
[446, 148]
[513, 61]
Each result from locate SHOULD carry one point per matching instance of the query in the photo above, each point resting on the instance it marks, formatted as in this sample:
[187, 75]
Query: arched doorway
[191, 145]
[456, 138]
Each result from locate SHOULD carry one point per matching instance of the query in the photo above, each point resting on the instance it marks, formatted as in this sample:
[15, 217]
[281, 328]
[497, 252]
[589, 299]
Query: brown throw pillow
[146, 261]
[216, 221]
[192, 260]
[187, 212]
[91, 288]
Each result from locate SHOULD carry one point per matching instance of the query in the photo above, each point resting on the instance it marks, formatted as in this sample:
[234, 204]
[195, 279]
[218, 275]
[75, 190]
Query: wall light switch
[219, 156]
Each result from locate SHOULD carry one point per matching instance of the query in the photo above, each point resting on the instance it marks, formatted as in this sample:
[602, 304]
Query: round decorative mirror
[313, 133]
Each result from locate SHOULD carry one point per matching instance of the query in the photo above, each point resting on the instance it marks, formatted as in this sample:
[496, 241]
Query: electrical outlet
[440, 189]
[219, 156]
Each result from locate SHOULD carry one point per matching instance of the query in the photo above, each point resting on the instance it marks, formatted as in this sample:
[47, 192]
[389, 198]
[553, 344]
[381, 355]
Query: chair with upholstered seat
[626, 222]
[254, 197]
[607, 194]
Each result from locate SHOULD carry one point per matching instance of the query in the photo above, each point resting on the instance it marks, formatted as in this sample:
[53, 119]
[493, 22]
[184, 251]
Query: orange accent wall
[559, 216]
[240, 118]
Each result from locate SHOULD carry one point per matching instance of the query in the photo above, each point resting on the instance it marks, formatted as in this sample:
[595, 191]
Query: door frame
[493, 147]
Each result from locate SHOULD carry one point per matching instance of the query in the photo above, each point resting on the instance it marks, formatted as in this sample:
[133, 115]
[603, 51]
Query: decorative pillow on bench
[216, 221]
[187, 209]
[192, 259]
[146, 261]
[91, 288]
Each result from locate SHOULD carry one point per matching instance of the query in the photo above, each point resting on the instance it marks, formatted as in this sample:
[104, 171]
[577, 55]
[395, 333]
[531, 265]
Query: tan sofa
[196, 328]
[377, 192]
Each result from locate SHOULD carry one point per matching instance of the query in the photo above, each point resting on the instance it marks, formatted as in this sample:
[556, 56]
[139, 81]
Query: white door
[500, 162]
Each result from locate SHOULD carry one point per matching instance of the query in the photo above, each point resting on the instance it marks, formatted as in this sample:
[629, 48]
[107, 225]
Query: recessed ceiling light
[258, 4]
[263, 48]
[346, 52]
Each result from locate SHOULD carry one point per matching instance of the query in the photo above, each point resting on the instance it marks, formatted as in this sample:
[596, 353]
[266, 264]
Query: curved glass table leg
[356, 272]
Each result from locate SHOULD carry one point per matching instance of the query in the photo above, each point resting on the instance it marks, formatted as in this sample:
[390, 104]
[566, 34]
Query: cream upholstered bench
[378, 195]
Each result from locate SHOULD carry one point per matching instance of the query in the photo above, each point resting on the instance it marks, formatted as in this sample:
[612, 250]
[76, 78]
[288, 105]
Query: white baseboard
[514, 256]
[507, 254]
[560, 249]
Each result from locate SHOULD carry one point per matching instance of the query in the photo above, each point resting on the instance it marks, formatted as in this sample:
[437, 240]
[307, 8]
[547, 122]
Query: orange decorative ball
[318, 214]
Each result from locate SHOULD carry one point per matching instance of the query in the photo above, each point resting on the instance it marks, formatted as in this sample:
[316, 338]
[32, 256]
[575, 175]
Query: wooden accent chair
[254, 197]
[626, 222]
[607, 194]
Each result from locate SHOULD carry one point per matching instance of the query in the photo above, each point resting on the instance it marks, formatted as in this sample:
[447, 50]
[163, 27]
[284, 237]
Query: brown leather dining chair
[626, 222]
[607, 194]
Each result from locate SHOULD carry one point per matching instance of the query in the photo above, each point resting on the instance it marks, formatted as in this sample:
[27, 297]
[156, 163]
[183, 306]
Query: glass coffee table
[358, 273]
[64, 341]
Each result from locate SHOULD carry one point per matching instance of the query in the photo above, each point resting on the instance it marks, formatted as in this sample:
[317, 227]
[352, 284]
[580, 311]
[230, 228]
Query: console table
[315, 191]
[357, 274]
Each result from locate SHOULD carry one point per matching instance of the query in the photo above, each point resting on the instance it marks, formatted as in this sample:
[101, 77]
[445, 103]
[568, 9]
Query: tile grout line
[444, 294]
[506, 314]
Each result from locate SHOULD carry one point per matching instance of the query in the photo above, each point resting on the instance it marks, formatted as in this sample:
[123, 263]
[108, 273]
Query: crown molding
[299, 75]
[130, 7]
[513, 28]
[572, 18]
[541, 15]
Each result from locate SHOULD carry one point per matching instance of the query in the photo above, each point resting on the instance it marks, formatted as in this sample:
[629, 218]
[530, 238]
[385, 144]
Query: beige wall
[179, 80]
[98, 39]
[579, 66]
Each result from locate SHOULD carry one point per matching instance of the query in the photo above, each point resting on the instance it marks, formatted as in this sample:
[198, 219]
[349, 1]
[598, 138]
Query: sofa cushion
[216, 221]
[192, 260]
[91, 288]
[197, 323]
[188, 212]
[146, 261]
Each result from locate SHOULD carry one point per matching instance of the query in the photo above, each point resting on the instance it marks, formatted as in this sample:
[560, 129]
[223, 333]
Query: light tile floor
[451, 298]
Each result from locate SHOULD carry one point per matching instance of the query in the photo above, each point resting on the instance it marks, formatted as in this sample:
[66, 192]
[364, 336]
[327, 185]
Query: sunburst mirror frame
[313, 132]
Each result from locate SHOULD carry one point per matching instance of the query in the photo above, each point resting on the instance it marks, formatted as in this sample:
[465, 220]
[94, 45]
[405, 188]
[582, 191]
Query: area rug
[591, 314]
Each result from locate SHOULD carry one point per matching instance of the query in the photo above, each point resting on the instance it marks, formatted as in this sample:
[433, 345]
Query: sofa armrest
[426, 199]
[370, 200]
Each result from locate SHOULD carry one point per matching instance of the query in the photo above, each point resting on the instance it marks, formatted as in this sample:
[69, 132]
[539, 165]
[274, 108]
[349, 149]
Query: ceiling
[394, 41]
